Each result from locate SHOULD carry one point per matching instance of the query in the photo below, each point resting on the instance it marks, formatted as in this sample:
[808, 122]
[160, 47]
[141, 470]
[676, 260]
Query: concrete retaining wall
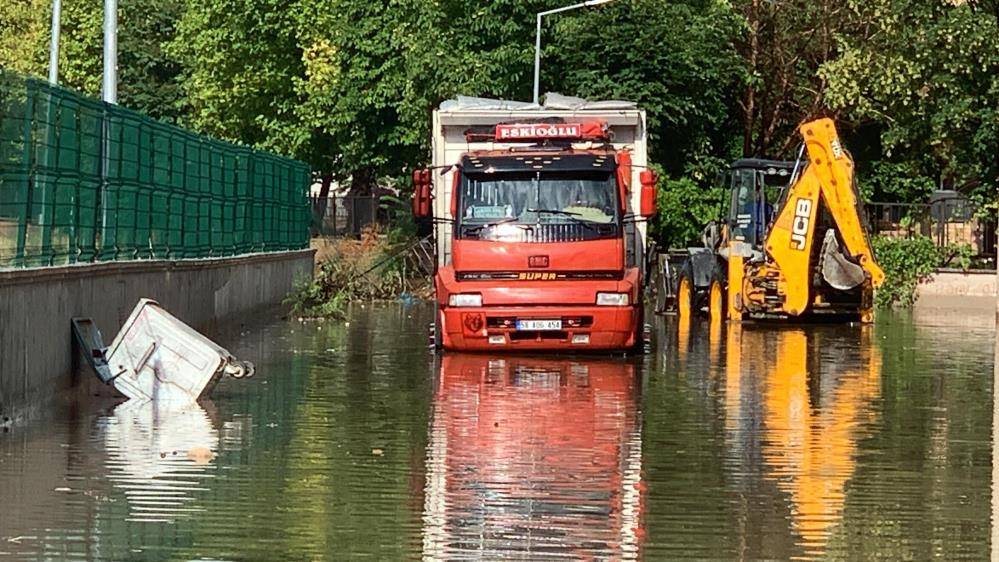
[956, 298]
[958, 283]
[36, 306]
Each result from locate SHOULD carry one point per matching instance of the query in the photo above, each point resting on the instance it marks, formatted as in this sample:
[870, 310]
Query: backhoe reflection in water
[533, 456]
[800, 416]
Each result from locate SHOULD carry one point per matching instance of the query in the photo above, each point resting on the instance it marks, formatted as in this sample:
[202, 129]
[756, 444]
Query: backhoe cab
[792, 244]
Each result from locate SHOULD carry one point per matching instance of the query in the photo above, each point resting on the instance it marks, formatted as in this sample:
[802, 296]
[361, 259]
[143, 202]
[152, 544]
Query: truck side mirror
[421, 193]
[648, 179]
[623, 177]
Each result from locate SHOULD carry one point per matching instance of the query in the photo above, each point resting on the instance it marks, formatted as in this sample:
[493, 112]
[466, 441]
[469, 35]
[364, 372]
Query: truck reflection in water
[795, 410]
[157, 453]
[534, 457]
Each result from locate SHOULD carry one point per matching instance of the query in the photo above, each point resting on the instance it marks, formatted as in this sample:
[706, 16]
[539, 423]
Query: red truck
[539, 217]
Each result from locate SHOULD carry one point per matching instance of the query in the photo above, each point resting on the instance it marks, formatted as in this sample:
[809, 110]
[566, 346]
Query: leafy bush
[685, 207]
[907, 261]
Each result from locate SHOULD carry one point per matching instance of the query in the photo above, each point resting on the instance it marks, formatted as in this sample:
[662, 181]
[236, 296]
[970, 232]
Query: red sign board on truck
[537, 131]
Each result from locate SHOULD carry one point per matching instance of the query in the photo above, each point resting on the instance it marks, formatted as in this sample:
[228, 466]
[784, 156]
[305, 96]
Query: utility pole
[537, 37]
[54, 42]
[109, 91]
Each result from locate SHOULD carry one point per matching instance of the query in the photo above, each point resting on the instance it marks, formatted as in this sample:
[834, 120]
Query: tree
[238, 60]
[24, 35]
[783, 46]
[925, 76]
[676, 60]
[354, 80]
[147, 80]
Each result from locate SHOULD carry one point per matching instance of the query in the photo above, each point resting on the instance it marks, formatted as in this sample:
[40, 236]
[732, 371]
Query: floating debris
[155, 356]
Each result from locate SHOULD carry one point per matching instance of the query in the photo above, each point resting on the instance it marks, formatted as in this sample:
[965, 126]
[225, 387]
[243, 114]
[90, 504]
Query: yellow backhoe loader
[809, 258]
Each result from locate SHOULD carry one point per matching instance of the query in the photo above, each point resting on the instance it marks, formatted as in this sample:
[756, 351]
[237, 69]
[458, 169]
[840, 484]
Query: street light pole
[537, 37]
[54, 42]
[110, 85]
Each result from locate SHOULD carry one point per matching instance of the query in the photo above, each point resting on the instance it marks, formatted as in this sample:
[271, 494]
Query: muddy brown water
[353, 442]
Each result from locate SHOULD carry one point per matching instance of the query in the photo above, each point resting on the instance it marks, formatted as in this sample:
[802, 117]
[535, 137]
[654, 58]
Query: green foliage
[925, 74]
[348, 85]
[685, 207]
[957, 255]
[24, 35]
[675, 59]
[148, 76]
[907, 261]
[402, 225]
[311, 298]
[341, 281]
[895, 181]
[239, 59]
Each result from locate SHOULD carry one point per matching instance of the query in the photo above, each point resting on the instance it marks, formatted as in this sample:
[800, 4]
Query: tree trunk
[749, 100]
[319, 209]
[362, 181]
[363, 209]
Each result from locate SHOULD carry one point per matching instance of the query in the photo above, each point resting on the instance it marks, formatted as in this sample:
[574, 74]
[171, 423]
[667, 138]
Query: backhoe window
[748, 213]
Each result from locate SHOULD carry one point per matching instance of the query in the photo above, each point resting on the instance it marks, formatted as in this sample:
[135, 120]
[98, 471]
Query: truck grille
[544, 233]
[544, 275]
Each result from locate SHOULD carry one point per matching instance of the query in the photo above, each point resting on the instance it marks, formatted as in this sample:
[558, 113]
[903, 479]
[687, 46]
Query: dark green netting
[84, 181]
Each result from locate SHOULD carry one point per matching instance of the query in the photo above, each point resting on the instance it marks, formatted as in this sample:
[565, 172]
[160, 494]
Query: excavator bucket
[837, 269]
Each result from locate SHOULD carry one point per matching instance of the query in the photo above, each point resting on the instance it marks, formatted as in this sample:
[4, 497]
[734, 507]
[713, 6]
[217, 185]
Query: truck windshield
[538, 206]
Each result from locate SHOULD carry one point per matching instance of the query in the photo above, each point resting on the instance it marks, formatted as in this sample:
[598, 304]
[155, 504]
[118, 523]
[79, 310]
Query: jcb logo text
[799, 228]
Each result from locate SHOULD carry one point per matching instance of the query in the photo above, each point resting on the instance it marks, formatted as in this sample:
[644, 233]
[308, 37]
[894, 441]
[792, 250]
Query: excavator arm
[828, 181]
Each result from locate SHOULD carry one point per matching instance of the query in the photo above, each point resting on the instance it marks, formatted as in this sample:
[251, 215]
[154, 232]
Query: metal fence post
[22, 226]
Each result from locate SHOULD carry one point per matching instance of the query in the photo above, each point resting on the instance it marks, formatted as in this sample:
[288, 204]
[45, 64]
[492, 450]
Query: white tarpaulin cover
[551, 101]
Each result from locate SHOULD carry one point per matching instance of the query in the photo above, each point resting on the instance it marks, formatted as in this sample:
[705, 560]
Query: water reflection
[533, 457]
[797, 404]
[158, 454]
[756, 444]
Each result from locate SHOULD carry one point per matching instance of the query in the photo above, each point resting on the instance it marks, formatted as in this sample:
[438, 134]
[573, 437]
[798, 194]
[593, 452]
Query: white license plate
[539, 324]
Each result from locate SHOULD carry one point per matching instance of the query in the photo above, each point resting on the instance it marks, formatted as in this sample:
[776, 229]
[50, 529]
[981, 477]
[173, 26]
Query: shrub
[907, 261]
[376, 267]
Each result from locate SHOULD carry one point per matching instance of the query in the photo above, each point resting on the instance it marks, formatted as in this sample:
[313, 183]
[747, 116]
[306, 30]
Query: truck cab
[539, 227]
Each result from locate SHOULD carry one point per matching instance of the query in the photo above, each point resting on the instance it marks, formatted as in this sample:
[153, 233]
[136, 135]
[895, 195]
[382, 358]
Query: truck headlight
[612, 299]
[465, 300]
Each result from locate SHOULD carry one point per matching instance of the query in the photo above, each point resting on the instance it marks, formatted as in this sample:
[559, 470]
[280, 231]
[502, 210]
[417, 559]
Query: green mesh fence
[85, 181]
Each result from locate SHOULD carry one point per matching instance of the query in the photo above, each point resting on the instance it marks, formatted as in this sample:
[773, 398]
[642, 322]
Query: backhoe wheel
[716, 300]
[685, 295]
[661, 282]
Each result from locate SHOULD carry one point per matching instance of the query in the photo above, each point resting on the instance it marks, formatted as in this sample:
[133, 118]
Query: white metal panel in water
[155, 356]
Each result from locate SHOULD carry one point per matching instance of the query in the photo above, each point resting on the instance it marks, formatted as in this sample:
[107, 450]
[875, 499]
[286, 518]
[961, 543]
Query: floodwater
[353, 442]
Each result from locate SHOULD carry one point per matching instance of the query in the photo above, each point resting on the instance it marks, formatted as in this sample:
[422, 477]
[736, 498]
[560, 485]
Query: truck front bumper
[582, 328]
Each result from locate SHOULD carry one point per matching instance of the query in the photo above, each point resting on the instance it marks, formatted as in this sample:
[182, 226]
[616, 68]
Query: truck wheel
[640, 347]
[716, 300]
[686, 295]
[437, 343]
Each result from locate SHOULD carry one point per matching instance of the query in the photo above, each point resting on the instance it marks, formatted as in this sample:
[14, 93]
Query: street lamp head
[595, 2]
